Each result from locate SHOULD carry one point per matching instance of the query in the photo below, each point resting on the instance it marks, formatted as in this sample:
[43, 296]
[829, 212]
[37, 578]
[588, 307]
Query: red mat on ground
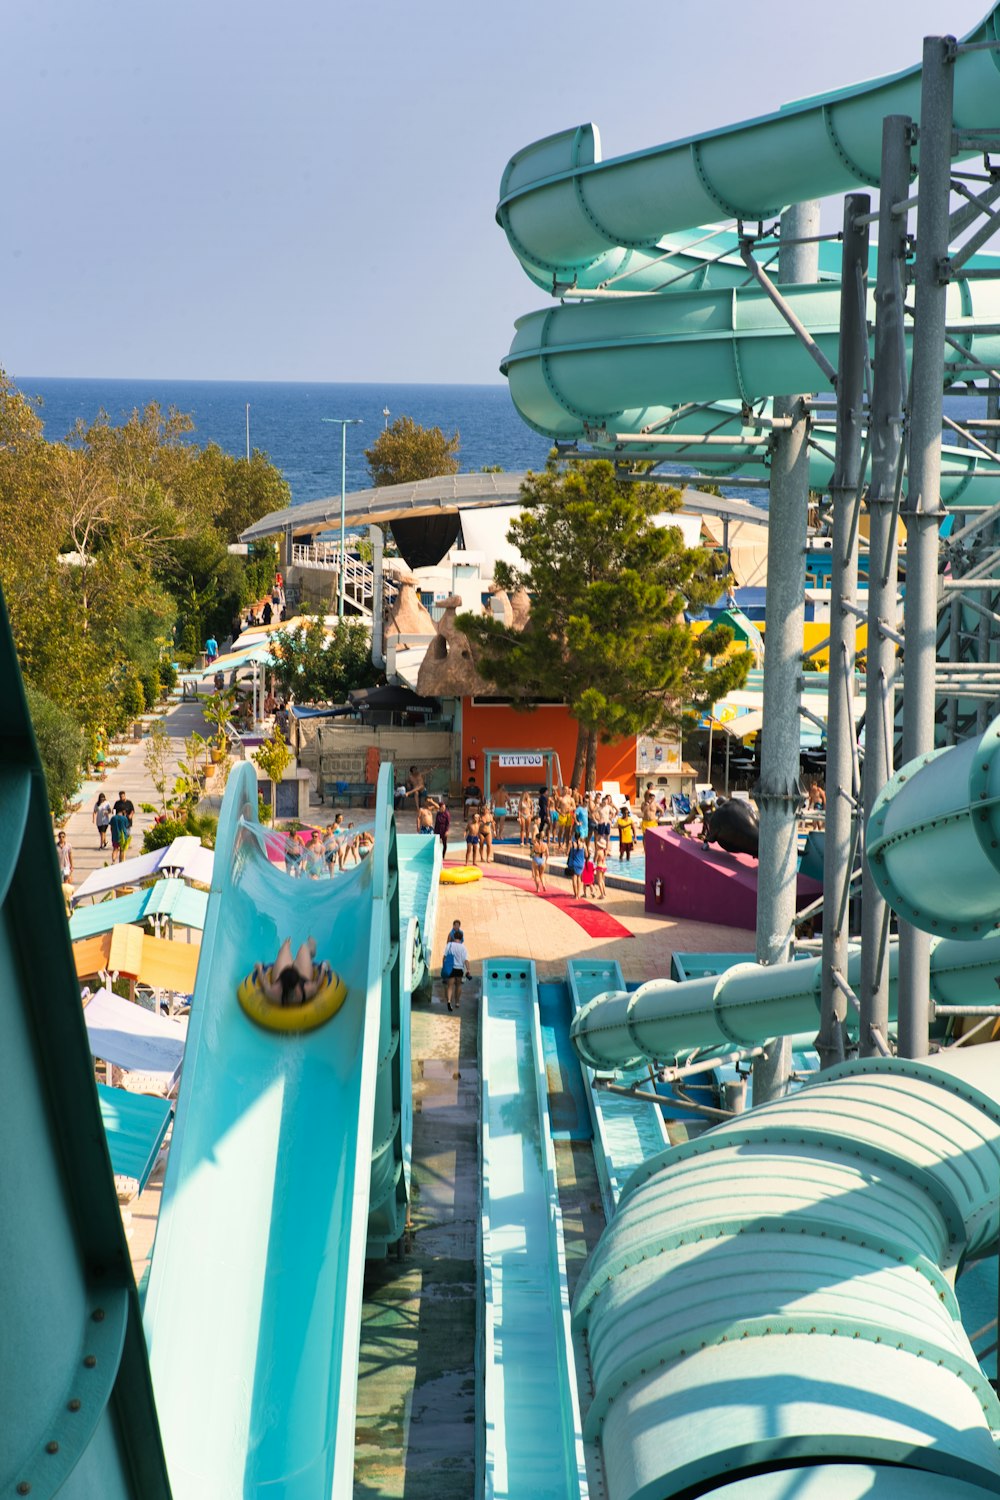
[595, 920]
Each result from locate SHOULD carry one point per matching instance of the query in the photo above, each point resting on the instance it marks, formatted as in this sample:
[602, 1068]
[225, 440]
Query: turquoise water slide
[286, 1167]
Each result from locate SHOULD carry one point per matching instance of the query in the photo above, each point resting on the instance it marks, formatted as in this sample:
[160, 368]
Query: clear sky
[215, 189]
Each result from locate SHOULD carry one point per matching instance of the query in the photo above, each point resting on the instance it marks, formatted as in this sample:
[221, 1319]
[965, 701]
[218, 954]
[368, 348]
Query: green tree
[273, 757]
[609, 588]
[60, 745]
[316, 664]
[405, 451]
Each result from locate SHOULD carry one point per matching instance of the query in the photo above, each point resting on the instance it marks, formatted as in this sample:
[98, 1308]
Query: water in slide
[273, 1183]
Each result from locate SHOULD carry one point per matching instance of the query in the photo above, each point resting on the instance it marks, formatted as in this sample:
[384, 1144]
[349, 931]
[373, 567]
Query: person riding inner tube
[292, 994]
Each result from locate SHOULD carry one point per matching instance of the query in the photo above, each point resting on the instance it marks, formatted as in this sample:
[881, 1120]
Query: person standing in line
[121, 836]
[601, 869]
[442, 823]
[64, 856]
[626, 834]
[486, 826]
[581, 820]
[455, 967]
[525, 813]
[575, 861]
[294, 853]
[500, 810]
[315, 857]
[101, 817]
[539, 859]
[426, 816]
[472, 830]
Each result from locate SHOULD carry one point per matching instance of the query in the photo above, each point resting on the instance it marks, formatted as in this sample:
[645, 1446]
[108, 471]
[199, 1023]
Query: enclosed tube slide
[772, 1311]
[623, 366]
[286, 1160]
[571, 216]
[968, 476]
[750, 1003]
[934, 839]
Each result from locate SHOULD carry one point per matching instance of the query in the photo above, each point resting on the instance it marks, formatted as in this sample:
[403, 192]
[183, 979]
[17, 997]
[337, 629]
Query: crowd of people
[319, 854]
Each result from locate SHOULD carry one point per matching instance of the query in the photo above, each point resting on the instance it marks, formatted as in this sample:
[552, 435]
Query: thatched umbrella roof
[449, 669]
[408, 616]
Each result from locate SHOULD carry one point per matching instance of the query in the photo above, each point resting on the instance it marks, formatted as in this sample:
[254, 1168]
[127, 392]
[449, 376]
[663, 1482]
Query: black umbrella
[391, 699]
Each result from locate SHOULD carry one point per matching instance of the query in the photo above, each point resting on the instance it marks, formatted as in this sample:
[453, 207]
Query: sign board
[658, 757]
[521, 760]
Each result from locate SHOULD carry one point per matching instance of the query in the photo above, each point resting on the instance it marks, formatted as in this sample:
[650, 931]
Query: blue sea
[286, 420]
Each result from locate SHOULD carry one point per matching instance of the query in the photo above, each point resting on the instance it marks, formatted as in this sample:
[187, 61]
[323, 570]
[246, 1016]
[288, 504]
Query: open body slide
[253, 1306]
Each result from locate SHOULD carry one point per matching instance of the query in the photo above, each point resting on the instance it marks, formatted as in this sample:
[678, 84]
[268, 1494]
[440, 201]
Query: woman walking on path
[455, 967]
[539, 859]
[101, 817]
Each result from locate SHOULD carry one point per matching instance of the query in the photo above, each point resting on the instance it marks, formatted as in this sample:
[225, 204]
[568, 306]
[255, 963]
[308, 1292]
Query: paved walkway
[130, 776]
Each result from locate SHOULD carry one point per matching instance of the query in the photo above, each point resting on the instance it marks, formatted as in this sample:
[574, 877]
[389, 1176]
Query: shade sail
[130, 1037]
[169, 898]
[128, 951]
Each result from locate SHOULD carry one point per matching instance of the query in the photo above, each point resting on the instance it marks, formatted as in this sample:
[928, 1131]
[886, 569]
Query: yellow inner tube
[461, 875]
[324, 1004]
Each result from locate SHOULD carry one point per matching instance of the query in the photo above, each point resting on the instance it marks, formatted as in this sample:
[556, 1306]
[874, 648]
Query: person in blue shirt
[211, 650]
[581, 820]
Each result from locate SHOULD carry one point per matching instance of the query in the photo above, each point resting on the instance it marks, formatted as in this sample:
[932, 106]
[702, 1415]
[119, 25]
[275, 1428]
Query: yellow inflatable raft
[324, 1004]
[461, 875]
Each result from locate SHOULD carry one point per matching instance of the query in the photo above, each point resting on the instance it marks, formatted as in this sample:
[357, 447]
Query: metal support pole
[985, 637]
[839, 842]
[378, 597]
[922, 510]
[886, 428]
[779, 794]
[343, 520]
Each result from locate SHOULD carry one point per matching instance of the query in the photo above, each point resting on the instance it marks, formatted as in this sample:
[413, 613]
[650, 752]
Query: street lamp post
[344, 422]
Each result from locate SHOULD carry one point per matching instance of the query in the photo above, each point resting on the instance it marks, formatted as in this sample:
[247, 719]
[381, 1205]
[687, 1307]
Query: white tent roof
[185, 857]
[131, 1037]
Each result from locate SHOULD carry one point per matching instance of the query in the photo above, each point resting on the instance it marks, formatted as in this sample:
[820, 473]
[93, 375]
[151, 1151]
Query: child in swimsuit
[472, 838]
[600, 870]
[588, 876]
[486, 833]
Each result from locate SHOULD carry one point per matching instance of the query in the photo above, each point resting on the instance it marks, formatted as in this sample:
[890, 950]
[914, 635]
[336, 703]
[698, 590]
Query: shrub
[168, 675]
[149, 678]
[61, 746]
[131, 696]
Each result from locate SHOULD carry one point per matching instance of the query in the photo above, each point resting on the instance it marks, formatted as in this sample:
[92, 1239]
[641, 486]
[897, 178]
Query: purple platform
[707, 885]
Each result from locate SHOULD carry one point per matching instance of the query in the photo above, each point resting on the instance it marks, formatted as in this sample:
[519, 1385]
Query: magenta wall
[706, 885]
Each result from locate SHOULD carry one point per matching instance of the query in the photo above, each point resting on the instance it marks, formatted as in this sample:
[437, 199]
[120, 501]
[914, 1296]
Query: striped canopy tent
[133, 955]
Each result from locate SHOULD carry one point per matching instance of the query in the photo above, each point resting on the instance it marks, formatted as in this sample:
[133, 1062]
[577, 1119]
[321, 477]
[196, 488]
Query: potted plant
[218, 710]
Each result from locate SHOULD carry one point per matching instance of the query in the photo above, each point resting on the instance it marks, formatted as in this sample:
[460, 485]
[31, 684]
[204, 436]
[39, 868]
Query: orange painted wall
[495, 726]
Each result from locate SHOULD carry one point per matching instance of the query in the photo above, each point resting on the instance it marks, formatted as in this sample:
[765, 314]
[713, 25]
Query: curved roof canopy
[447, 493]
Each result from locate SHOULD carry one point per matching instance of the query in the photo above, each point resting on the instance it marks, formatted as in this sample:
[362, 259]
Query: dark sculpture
[734, 826]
